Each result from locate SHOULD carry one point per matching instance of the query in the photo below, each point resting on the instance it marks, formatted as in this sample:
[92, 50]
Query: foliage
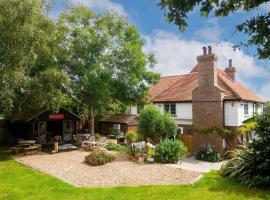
[222, 132]
[226, 133]
[116, 147]
[97, 136]
[170, 126]
[250, 164]
[208, 154]
[106, 61]
[154, 125]
[169, 151]
[150, 123]
[21, 182]
[256, 27]
[99, 158]
[266, 107]
[150, 152]
[131, 137]
[31, 78]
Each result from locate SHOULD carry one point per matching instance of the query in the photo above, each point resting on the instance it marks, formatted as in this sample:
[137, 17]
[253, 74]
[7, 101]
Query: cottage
[206, 97]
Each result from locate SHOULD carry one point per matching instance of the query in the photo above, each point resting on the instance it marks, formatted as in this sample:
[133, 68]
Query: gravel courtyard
[70, 167]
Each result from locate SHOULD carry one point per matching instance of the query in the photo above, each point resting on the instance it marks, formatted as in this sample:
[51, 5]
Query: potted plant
[141, 156]
[150, 152]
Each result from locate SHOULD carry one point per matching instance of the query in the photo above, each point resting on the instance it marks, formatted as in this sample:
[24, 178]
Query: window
[246, 109]
[170, 108]
[116, 126]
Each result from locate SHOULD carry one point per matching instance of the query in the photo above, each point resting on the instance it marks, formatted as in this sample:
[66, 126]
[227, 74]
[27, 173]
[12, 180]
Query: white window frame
[170, 108]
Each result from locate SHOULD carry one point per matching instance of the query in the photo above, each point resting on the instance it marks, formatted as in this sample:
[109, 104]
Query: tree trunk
[91, 122]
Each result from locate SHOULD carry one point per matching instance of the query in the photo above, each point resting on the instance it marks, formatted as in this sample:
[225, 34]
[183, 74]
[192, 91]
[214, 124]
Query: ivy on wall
[226, 133]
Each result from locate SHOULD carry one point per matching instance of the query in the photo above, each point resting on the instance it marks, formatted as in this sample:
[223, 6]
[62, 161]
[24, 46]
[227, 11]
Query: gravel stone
[70, 167]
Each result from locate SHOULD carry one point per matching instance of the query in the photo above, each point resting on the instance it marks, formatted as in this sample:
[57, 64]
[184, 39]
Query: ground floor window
[170, 108]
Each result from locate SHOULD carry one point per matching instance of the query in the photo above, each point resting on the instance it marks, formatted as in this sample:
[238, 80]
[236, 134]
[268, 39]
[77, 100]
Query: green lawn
[20, 182]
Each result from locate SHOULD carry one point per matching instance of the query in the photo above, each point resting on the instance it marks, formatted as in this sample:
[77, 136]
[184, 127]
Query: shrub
[116, 147]
[99, 158]
[150, 123]
[131, 137]
[169, 151]
[97, 136]
[250, 165]
[150, 152]
[170, 126]
[208, 154]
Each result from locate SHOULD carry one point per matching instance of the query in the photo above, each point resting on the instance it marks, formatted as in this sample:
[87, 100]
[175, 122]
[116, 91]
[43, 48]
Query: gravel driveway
[70, 167]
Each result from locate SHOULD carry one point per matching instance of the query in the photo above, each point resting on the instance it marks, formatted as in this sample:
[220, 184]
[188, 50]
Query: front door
[42, 126]
[67, 130]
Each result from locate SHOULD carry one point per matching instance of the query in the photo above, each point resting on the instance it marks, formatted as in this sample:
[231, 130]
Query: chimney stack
[207, 97]
[230, 71]
[208, 67]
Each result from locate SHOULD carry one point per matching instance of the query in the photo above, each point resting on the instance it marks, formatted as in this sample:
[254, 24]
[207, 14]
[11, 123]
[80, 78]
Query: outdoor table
[27, 142]
[28, 146]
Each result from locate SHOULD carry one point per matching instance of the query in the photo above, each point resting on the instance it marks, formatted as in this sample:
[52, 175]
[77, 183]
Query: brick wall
[207, 103]
[207, 98]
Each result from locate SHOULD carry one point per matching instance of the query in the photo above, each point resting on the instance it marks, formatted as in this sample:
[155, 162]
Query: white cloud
[103, 5]
[176, 55]
[211, 32]
[265, 7]
[264, 92]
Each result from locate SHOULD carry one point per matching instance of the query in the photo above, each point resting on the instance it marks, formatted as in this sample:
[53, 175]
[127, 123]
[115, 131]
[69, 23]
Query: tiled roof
[179, 88]
[120, 118]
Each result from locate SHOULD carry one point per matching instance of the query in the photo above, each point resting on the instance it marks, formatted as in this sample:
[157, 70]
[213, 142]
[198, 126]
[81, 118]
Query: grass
[20, 182]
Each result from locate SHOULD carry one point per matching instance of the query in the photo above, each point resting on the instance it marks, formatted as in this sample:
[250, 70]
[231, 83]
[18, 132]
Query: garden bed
[70, 167]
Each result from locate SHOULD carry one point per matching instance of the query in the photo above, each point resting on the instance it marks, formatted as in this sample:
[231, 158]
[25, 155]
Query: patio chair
[89, 144]
[102, 142]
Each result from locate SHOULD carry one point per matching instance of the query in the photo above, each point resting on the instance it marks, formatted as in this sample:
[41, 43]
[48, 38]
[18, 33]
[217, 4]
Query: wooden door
[188, 142]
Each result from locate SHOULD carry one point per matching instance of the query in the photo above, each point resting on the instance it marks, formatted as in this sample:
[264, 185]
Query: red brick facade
[207, 103]
[207, 98]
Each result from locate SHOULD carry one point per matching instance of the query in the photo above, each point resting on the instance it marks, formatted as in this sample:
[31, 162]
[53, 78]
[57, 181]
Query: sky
[176, 51]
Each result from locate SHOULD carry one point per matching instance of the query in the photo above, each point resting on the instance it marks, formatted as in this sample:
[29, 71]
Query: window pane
[246, 108]
[167, 108]
[173, 111]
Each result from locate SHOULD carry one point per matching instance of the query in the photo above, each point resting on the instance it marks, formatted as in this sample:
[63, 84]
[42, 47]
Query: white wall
[183, 112]
[231, 113]
[234, 112]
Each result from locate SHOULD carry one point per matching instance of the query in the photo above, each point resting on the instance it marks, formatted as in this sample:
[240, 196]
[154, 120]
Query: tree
[266, 107]
[150, 123]
[30, 75]
[257, 27]
[105, 60]
[170, 126]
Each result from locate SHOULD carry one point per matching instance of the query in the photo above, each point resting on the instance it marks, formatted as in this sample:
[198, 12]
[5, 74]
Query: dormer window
[170, 108]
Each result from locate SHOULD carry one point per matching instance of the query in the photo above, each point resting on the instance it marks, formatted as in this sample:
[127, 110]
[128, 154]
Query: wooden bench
[16, 150]
[32, 149]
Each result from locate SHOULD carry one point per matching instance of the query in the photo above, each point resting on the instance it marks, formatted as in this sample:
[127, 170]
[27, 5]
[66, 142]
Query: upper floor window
[170, 108]
[246, 109]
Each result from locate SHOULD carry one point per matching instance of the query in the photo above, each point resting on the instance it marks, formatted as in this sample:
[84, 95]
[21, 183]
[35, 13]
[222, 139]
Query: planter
[150, 160]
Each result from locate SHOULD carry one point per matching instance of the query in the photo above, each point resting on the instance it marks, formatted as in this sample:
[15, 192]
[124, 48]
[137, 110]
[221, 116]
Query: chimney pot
[230, 62]
[204, 50]
[209, 50]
